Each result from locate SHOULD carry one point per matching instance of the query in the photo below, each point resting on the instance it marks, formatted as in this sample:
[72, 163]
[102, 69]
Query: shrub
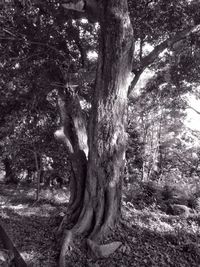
[167, 192]
[174, 195]
[143, 193]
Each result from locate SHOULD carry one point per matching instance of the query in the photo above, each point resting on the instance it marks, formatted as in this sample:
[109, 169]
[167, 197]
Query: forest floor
[149, 237]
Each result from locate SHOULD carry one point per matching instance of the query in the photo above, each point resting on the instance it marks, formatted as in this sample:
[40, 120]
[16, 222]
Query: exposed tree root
[70, 218]
[66, 247]
[99, 214]
[60, 227]
[84, 225]
[79, 228]
[101, 251]
[92, 226]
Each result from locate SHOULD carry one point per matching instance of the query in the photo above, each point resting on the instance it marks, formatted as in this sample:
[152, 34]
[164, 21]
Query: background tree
[41, 42]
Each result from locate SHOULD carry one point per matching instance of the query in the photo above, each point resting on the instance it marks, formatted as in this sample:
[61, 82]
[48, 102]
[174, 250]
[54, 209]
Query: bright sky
[193, 119]
[92, 55]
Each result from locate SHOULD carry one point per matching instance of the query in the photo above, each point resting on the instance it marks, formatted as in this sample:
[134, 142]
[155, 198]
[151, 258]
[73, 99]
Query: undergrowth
[149, 236]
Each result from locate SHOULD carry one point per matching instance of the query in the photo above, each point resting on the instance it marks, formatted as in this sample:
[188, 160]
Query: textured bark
[107, 131]
[73, 134]
[101, 199]
[100, 207]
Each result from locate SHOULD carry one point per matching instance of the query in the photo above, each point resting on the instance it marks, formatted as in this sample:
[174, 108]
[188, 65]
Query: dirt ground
[149, 237]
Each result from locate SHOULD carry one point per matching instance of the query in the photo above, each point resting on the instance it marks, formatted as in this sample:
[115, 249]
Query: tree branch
[33, 42]
[134, 81]
[182, 159]
[86, 7]
[9, 32]
[141, 48]
[149, 59]
[73, 131]
[195, 110]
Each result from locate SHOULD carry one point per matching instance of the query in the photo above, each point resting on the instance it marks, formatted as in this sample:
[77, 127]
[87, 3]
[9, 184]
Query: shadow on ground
[31, 225]
[149, 238]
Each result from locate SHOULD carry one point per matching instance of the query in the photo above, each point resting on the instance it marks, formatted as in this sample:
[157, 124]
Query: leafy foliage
[43, 49]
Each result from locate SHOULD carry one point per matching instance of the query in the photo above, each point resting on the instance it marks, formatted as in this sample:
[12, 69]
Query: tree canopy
[72, 70]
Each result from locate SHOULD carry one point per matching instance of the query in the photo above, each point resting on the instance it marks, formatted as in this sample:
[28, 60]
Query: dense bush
[163, 196]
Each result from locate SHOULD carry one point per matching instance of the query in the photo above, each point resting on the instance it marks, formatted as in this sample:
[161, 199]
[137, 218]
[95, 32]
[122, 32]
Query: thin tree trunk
[144, 160]
[159, 156]
[9, 177]
[38, 171]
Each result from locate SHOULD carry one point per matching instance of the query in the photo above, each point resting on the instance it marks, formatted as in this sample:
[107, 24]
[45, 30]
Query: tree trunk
[38, 173]
[9, 177]
[74, 135]
[107, 130]
[96, 191]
